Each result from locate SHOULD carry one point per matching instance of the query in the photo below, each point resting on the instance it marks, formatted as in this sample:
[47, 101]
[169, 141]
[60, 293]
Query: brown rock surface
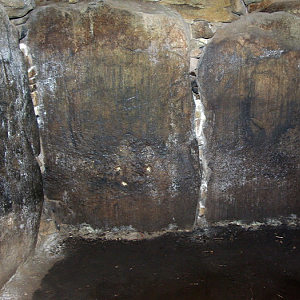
[274, 5]
[20, 180]
[249, 81]
[201, 29]
[117, 113]
[238, 7]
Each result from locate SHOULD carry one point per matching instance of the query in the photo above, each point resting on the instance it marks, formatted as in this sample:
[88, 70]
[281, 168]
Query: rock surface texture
[208, 10]
[116, 114]
[17, 8]
[249, 81]
[20, 180]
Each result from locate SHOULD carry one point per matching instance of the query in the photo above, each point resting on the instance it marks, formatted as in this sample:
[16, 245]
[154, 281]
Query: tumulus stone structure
[111, 83]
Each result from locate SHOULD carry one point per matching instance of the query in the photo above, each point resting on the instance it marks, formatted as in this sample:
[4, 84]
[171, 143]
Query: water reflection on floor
[257, 265]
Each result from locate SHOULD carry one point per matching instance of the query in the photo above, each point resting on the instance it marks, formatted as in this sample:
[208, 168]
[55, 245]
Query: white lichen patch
[291, 221]
[200, 120]
[172, 227]
[129, 233]
[272, 53]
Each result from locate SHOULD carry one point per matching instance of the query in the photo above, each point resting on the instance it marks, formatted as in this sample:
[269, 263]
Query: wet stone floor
[228, 265]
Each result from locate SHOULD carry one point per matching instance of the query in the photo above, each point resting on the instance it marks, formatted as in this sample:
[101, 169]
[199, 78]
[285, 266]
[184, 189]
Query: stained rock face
[249, 79]
[21, 184]
[116, 113]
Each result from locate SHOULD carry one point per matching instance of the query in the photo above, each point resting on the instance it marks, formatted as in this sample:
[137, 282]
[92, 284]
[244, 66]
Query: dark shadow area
[228, 265]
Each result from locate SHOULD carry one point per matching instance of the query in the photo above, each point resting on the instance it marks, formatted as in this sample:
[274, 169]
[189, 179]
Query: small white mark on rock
[272, 53]
[91, 25]
[124, 183]
[204, 41]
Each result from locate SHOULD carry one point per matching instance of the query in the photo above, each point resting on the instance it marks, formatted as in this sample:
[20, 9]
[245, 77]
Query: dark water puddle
[263, 264]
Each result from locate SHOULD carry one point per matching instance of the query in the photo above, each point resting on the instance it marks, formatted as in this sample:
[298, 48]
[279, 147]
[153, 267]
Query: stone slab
[249, 82]
[116, 114]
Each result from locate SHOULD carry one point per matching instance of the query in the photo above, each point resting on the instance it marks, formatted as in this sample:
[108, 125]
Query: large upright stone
[20, 180]
[250, 83]
[116, 113]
